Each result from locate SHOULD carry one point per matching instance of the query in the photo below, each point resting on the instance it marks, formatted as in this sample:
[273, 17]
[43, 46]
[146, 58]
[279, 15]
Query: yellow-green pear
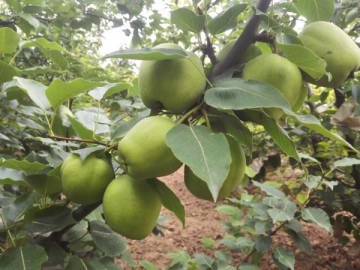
[131, 207]
[236, 173]
[174, 85]
[280, 73]
[143, 152]
[332, 44]
[85, 181]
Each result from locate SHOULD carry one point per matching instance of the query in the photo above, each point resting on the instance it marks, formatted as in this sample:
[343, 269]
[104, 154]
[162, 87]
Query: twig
[247, 37]
[61, 138]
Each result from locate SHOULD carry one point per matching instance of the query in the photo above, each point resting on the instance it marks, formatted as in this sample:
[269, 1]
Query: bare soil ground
[202, 220]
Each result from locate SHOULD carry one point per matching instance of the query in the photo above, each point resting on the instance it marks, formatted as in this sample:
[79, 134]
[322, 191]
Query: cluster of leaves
[55, 98]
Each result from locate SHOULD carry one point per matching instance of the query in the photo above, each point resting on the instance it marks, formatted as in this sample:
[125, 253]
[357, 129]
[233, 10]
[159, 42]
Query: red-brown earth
[202, 220]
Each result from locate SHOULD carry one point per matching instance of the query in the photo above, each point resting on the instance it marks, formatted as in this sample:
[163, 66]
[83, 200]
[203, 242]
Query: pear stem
[190, 112]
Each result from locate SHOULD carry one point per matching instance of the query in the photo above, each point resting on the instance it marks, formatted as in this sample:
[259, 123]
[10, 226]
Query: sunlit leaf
[305, 59]
[284, 258]
[148, 54]
[35, 90]
[187, 20]
[239, 94]
[315, 10]
[7, 72]
[9, 40]
[107, 90]
[205, 152]
[317, 216]
[227, 20]
[59, 91]
[347, 162]
[23, 165]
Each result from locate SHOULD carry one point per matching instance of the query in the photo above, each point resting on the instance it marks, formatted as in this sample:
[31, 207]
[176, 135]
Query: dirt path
[202, 220]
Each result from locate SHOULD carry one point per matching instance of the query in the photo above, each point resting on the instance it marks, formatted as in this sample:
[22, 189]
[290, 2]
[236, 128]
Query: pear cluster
[332, 44]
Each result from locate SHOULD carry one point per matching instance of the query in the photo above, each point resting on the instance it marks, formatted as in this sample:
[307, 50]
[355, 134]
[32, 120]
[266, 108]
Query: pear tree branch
[247, 37]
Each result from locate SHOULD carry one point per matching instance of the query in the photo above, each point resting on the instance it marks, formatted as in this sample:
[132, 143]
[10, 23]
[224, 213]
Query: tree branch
[61, 138]
[79, 214]
[247, 37]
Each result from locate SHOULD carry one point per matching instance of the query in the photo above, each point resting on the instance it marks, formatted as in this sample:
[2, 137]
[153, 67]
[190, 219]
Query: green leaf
[121, 131]
[11, 176]
[187, 20]
[105, 91]
[9, 40]
[23, 165]
[23, 258]
[109, 242]
[347, 162]
[44, 44]
[57, 58]
[77, 263]
[169, 199]
[300, 240]
[229, 210]
[284, 258]
[238, 243]
[239, 94]
[263, 243]
[305, 59]
[270, 190]
[205, 152]
[148, 54]
[282, 210]
[59, 91]
[85, 152]
[13, 212]
[7, 72]
[35, 90]
[309, 158]
[82, 131]
[280, 136]
[247, 266]
[232, 126]
[148, 265]
[315, 10]
[313, 181]
[317, 216]
[313, 123]
[51, 219]
[226, 20]
[31, 20]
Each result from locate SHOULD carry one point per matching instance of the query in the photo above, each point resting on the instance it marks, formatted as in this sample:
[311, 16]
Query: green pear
[174, 85]
[131, 207]
[143, 152]
[280, 73]
[84, 181]
[251, 52]
[331, 43]
[236, 173]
